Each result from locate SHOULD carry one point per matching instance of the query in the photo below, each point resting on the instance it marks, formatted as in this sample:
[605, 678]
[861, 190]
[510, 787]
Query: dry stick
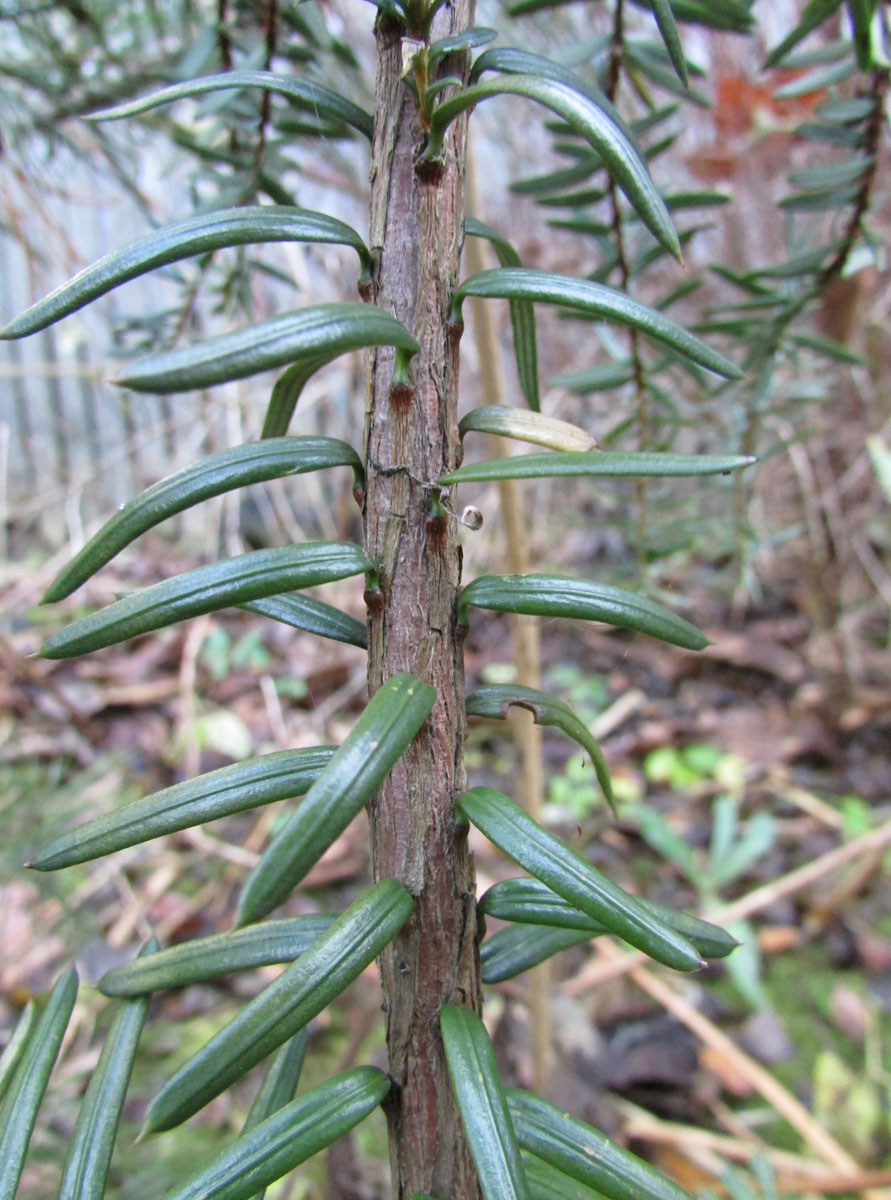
[796, 880]
[525, 640]
[761, 1080]
[868, 843]
[794, 1173]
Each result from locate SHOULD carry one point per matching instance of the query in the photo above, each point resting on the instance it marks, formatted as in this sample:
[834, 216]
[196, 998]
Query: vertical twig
[525, 639]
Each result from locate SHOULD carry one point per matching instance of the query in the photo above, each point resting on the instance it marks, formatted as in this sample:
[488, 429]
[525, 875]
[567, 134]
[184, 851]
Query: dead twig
[604, 968]
[782, 1100]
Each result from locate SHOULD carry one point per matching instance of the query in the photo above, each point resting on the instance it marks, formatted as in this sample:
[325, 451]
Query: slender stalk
[613, 80]
[412, 438]
[525, 631]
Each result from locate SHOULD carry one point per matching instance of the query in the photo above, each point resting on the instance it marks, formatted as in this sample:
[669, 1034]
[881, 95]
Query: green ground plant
[455, 1132]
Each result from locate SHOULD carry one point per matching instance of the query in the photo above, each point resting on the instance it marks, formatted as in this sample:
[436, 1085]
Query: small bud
[412, 49]
[472, 518]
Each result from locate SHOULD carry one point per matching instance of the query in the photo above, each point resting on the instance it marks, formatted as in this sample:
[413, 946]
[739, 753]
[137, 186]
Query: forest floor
[753, 786]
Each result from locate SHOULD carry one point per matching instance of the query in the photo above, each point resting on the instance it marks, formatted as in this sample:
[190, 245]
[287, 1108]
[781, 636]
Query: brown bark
[411, 439]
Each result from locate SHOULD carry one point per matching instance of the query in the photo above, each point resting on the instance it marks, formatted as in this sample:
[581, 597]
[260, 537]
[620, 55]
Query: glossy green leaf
[814, 13]
[820, 200]
[816, 81]
[584, 1153]
[16, 1046]
[321, 101]
[862, 14]
[206, 958]
[590, 120]
[468, 39]
[286, 393]
[529, 901]
[301, 992]
[846, 110]
[699, 199]
[314, 616]
[579, 199]
[517, 948]
[278, 1087]
[647, 60]
[504, 421]
[236, 788]
[289, 1137]
[560, 596]
[807, 263]
[279, 1082]
[601, 463]
[211, 476]
[199, 234]
[541, 186]
[733, 16]
[547, 1183]
[662, 11]
[512, 60]
[596, 379]
[522, 314]
[18, 1111]
[572, 877]
[208, 589]
[323, 331]
[357, 768]
[849, 170]
[494, 700]
[850, 136]
[482, 1105]
[89, 1155]
[594, 300]
[828, 348]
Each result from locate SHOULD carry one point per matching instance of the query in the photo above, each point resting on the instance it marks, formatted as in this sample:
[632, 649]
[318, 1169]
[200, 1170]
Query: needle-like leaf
[600, 463]
[211, 476]
[547, 1183]
[595, 300]
[16, 1046]
[468, 39]
[309, 334]
[236, 788]
[560, 596]
[199, 234]
[662, 11]
[587, 118]
[18, 1111]
[278, 1086]
[572, 877]
[206, 958]
[506, 421]
[517, 948]
[814, 13]
[315, 616]
[482, 1105]
[208, 589]
[584, 1153]
[289, 1137]
[92, 1143]
[495, 700]
[285, 1006]
[357, 768]
[522, 313]
[529, 901]
[321, 101]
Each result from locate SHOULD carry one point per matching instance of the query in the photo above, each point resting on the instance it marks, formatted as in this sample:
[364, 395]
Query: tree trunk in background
[411, 439]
